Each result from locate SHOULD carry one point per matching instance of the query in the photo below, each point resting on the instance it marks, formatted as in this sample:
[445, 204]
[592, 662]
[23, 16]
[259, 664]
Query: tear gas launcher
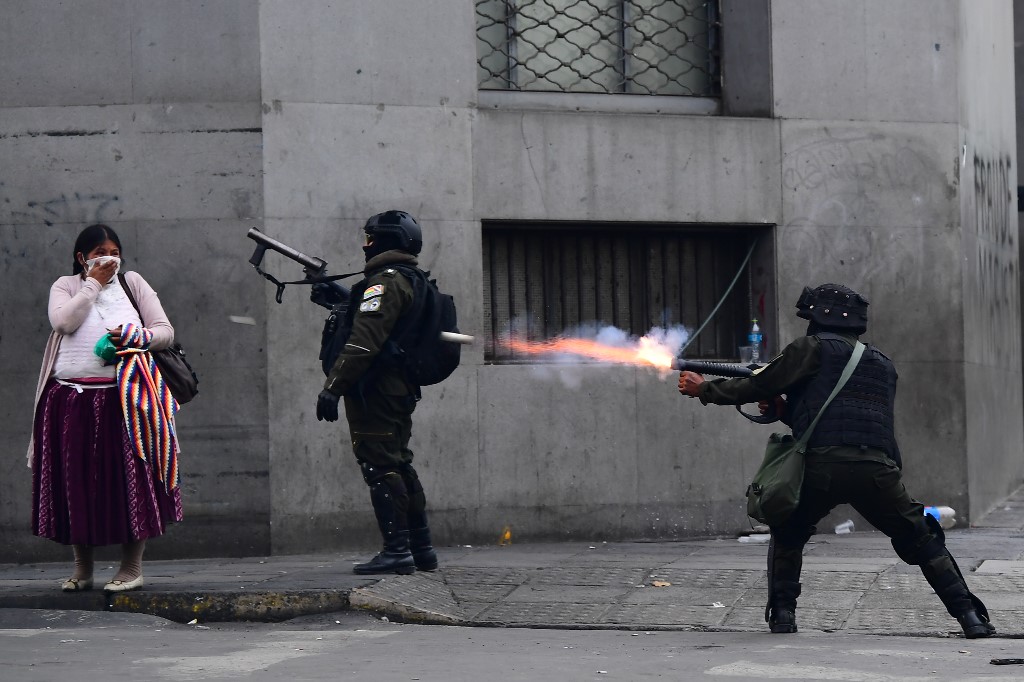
[729, 370]
[326, 291]
[314, 268]
[732, 370]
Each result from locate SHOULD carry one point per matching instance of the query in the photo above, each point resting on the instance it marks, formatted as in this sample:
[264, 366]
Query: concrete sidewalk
[852, 582]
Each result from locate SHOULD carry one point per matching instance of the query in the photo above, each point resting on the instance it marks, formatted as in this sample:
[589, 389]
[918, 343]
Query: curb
[183, 607]
[266, 607]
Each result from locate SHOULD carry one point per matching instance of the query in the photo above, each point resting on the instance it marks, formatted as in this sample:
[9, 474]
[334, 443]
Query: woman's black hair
[89, 239]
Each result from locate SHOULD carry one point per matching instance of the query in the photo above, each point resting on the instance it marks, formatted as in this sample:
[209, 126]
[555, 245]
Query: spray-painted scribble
[836, 163]
[995, 256]
[862, 182]
[74, 208]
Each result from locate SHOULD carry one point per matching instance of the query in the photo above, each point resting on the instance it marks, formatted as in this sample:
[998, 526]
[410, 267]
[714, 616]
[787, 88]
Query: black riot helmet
[833, 307]
[392, 230]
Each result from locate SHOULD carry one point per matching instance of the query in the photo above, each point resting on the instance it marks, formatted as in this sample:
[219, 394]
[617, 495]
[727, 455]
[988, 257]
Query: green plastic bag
[106, 349]
[774, 494]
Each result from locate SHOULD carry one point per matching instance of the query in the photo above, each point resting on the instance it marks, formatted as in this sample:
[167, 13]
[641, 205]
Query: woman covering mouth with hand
[104, 447]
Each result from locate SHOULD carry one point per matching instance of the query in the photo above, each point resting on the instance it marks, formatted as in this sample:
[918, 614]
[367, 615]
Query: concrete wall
[144, 115]
[368, 106]
[876, 194]
[220, 115]
[990, 252]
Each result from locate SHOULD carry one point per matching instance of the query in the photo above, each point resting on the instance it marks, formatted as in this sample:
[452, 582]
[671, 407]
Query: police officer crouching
[852, 456]
[379, 400]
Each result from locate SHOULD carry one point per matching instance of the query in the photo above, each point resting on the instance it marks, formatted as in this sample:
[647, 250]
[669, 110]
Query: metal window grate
[542, 280]
[644, 47]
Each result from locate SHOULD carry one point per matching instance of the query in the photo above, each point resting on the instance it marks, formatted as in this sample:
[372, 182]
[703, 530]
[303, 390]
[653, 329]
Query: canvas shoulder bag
[775, 491]
[178, 374]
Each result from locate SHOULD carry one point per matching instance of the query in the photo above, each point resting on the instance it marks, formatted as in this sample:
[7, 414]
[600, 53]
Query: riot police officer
[852, 455]
[379, 400]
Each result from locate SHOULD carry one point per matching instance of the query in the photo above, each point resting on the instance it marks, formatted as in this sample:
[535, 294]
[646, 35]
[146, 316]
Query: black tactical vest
[862, 413]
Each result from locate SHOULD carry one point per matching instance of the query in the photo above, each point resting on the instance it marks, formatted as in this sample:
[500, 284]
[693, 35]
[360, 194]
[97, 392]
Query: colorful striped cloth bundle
[148, 405]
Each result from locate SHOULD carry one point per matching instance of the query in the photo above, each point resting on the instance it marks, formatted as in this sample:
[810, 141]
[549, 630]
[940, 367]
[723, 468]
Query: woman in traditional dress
[104, 448]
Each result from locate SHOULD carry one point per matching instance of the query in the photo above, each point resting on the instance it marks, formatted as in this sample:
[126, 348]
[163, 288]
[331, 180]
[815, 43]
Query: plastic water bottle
[754, 340]
[946, 516]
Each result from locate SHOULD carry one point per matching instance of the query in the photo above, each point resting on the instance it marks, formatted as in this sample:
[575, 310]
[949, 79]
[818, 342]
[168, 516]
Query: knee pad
[920, 551]
[373, 474]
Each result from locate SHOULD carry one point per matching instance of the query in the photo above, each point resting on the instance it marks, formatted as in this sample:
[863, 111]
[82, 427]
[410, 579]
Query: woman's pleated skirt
[88, 485]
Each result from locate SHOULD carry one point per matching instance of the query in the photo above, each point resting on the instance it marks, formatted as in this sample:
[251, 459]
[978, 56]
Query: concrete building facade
[871, 143]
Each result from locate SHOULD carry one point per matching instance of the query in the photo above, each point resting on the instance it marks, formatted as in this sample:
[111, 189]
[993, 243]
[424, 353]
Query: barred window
[645, 47]
[544, 279]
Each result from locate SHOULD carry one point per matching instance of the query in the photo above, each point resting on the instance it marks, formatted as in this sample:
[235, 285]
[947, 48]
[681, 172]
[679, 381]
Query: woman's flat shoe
[76, 585]
[123, 585]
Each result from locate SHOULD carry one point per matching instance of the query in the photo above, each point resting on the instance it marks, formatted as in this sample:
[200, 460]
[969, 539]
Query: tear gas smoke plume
[609, 345]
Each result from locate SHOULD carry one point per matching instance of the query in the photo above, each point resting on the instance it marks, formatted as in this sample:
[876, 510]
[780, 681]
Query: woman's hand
[104, 272]
[689, 383]
[115, 336]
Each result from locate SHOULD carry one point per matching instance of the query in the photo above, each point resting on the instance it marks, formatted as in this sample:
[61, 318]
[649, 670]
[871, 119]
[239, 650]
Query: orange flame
[647, 351]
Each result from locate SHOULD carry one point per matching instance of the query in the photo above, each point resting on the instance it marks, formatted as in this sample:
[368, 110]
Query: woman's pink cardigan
[71, 298]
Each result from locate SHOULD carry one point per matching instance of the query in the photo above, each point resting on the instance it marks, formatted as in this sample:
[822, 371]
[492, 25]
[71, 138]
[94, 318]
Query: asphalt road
[104, 646]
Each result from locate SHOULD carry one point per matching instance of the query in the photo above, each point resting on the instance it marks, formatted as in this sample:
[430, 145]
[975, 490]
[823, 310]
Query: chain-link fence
[644, 47]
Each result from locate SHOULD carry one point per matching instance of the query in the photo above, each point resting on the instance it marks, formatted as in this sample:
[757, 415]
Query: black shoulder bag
[179, 376]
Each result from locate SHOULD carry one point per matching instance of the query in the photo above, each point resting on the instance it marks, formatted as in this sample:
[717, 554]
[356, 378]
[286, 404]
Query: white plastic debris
[756, 538]
[718, 605]
[845, 527]
[193, 621]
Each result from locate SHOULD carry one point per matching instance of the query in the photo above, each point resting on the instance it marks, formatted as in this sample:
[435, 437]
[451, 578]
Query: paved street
[851, 583]
[98, 646]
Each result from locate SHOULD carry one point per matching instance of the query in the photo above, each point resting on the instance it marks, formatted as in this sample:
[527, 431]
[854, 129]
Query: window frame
[513, 277]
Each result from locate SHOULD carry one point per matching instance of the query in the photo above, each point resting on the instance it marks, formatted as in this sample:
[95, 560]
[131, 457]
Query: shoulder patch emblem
[369, 306]
[375, 290]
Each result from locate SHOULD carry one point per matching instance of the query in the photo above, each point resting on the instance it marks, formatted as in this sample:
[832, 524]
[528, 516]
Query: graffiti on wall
[837, 164]
[868, 181]
[995, 256]
[73, 208]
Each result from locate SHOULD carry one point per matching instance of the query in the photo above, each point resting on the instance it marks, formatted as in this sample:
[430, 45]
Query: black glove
[328, 294]
[327, 406]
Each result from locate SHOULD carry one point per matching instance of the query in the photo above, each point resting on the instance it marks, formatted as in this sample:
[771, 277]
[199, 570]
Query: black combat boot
[975, 626]
[423, 553]
[395, 557]
[784, 564]
[390, 506]
[782, 616]
[944, 576]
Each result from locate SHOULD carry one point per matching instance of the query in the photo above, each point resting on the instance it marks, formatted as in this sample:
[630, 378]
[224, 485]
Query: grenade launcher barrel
[311, 265]
[732, 370]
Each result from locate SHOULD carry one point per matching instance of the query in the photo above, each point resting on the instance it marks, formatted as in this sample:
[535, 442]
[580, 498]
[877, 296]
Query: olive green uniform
[378, 401]
[867, 478]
